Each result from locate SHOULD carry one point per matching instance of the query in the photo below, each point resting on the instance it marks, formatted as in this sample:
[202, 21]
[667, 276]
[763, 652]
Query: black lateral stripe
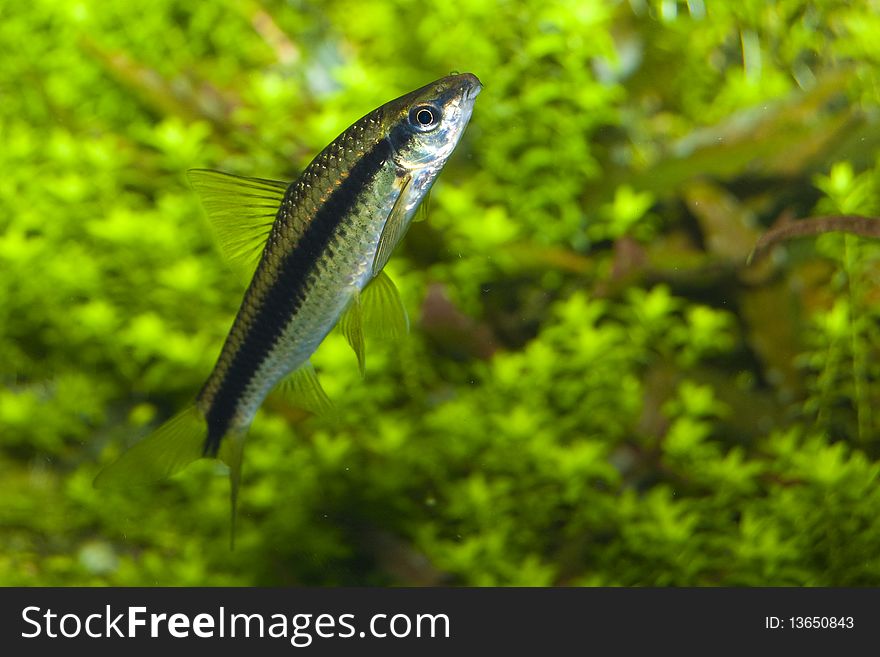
[287, 293]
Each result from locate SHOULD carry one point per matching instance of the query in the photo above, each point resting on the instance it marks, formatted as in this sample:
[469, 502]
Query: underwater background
[598, 388]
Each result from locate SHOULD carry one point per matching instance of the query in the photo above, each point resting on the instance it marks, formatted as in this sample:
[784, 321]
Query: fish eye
[424, 117]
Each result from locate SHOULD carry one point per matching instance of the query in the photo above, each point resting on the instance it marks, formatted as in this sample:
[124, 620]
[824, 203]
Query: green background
[597, 389]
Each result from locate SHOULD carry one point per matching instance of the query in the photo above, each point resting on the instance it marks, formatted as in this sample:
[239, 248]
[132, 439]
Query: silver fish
[321, 242]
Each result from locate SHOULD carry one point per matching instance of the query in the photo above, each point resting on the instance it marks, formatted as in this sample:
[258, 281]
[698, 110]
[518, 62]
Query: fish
[315, 249]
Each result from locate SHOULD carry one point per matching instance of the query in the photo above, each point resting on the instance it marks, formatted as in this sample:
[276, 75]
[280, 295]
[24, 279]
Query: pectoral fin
[395, 228]
[422, 211]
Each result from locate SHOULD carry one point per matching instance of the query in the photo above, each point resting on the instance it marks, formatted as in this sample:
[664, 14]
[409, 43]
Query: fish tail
[232, 453]
[169, 449]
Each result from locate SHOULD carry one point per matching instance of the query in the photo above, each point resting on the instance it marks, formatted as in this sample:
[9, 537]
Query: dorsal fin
[241, 210]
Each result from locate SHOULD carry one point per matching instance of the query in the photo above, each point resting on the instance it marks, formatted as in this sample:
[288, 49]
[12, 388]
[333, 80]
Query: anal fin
[303, 389]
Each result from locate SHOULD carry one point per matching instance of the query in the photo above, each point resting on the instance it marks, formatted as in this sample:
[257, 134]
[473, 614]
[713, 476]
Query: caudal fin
[167, 450]
[232, 453]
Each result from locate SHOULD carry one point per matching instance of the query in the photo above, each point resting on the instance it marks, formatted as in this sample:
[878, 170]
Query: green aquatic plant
[598, 388]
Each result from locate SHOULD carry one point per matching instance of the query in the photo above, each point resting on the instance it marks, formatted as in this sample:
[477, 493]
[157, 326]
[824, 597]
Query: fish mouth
[473, 86]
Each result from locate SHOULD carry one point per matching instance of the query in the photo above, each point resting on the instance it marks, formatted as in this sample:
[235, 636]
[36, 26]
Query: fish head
[427, 124]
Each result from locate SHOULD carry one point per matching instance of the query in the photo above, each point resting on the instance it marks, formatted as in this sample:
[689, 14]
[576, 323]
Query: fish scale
[269, 350]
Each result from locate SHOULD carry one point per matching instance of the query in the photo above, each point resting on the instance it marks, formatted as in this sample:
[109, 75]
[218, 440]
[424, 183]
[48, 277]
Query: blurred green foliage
[597, 388]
